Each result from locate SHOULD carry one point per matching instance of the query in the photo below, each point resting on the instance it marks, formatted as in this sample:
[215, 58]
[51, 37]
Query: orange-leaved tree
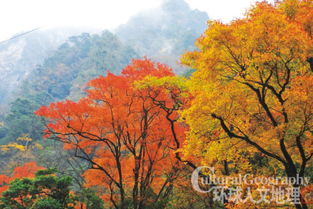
[28, 170]
[253, 91]
[122, 133]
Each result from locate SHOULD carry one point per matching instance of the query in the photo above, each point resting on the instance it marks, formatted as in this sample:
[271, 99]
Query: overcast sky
[22, 15]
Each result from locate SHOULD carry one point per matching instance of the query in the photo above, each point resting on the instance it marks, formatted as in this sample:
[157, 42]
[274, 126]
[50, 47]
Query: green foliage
[21, 120]
[90, 199]
[61, 76]
[45, 191]
[47, 203]
[77, 61]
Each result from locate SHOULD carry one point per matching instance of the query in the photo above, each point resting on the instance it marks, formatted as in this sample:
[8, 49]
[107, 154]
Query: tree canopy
[252, 90]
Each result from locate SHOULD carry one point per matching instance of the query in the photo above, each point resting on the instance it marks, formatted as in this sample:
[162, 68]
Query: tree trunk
[292, 173]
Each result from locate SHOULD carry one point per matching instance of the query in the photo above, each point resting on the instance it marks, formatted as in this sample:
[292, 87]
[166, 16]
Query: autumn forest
[224, 119]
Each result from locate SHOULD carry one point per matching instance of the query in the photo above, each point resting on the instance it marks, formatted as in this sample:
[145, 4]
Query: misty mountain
[164, 33]
[20, 55]
[78, 60]
[48, 66]
[63, 75]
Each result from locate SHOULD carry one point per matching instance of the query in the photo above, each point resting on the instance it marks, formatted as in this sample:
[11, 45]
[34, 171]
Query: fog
[19, 15]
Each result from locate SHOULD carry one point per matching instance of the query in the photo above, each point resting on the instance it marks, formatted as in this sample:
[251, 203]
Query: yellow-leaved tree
[253, 90]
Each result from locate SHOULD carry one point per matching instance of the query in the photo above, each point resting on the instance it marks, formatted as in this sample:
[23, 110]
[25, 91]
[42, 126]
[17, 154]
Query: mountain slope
[19, 56]
[78, 60]
[63, 75]
[164, 33]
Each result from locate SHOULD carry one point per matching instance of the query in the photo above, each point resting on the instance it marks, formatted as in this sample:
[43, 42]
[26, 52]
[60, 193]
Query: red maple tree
[123, 133]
